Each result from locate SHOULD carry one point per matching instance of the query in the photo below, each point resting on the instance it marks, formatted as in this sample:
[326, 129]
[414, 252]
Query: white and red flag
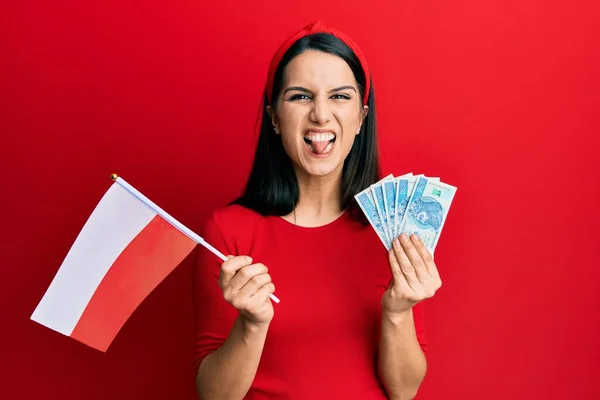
[126, 248]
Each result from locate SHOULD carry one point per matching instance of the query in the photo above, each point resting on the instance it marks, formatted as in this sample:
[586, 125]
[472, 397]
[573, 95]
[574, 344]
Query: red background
[501, 99]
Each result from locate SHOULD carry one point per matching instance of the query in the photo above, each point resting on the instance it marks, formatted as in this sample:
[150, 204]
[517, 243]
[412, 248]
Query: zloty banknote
[389, 203]
[378, 197]
[367, 205]
[389, 198]
[404, 190]
[427, 210]
[386, 202]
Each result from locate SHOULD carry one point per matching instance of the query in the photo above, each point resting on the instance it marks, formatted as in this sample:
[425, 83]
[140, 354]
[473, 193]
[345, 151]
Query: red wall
[501, 99]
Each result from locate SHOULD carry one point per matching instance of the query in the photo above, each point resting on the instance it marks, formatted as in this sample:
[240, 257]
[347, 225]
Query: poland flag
[125, 249]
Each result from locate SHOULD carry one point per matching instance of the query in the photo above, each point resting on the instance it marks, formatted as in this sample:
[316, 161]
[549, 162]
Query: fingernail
[396, 242]
[404, 237]
[248, 259]
[416, 238]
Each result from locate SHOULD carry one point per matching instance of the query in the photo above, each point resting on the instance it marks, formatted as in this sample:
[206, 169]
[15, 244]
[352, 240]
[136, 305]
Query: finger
[399, 277]
[253, 285]
[244, 274]
[405, 265]
[394, 265]
[414, 257]
[232, 265]
[427, 258]
[262, 294]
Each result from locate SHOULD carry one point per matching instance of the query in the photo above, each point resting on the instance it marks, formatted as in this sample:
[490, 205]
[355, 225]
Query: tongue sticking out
[319, 147]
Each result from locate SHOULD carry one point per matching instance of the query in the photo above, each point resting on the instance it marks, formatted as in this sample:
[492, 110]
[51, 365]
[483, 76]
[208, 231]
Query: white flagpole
[185, 230]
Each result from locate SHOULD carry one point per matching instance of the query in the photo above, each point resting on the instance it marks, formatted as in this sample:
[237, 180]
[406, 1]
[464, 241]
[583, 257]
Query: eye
[299, 97]
[341, 96]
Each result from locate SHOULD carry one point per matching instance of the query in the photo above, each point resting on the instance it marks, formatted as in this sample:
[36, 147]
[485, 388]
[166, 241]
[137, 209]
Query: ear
[364, 113]
[274, 119]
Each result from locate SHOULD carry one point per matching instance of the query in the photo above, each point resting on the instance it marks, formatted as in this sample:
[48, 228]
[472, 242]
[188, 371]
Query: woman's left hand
[415, 276]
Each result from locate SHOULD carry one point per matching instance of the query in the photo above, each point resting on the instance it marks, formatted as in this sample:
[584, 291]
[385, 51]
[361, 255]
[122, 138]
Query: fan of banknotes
[407, 204]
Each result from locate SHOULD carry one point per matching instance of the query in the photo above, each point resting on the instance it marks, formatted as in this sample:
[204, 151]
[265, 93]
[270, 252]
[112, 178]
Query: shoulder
[234, 216]
[231, 226]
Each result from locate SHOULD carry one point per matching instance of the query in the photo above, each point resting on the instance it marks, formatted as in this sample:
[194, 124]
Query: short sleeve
[419, 320]
[214, 317]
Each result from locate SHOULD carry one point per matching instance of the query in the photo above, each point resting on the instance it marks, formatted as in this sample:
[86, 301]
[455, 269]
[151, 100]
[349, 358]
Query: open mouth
[319, 143]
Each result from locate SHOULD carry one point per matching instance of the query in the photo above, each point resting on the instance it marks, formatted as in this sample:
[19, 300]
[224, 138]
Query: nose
[320, 113]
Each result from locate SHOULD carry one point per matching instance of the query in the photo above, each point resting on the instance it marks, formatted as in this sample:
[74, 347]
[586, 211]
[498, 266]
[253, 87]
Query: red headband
[312, 28]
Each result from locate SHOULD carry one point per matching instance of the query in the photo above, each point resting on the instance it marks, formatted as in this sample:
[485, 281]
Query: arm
[402, 365]
[228, 372]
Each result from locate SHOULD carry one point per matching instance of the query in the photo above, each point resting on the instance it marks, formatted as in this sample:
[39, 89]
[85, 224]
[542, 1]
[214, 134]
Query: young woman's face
[319, 112]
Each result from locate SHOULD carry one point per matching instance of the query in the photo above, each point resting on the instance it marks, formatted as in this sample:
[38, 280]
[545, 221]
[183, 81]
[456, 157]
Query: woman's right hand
[247, 286]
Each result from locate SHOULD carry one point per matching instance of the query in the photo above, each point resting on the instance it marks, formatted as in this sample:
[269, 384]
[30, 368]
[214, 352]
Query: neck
[320, 199]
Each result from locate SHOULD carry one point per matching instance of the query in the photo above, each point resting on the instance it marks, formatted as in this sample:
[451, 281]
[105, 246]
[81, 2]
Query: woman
[349, 325]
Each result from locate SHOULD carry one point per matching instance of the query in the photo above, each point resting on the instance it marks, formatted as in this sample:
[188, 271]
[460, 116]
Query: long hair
[272, 187]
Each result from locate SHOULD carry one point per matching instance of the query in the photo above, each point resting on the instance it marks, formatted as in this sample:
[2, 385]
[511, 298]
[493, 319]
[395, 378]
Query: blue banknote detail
[427, 211]
[367, 205]
[389, 200]
[405, 197]
[419, 189]
[401, 203]
[377, 190]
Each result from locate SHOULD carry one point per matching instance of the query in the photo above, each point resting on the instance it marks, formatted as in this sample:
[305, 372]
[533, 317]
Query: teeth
[319, 137]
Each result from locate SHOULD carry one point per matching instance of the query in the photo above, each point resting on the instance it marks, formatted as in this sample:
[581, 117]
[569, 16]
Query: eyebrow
[305, 90]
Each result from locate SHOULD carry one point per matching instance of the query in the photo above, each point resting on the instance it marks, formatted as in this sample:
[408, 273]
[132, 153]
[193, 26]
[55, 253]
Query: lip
[315, 130]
